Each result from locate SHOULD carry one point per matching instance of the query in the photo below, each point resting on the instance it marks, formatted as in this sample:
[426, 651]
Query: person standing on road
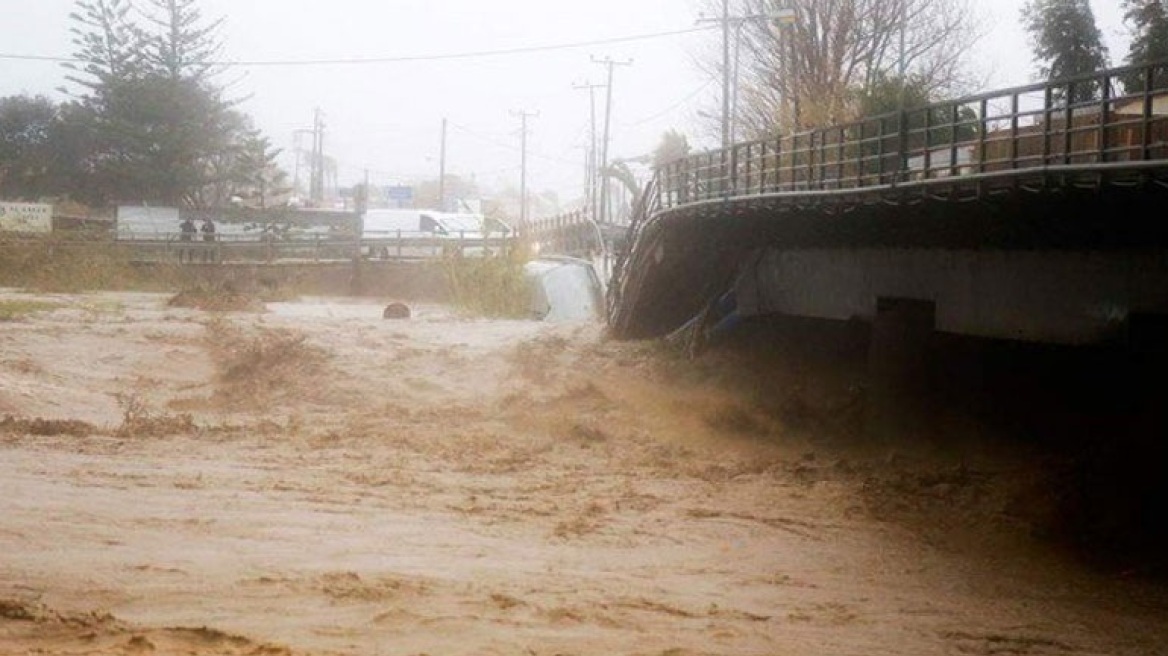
[208, 230]
[186, 234]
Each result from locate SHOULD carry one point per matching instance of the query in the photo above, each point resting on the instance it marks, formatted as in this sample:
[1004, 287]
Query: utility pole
[591, 177]
[297, 150]
[360, 206]
[610, 64]
[523, 116]
[316, 184]
[442, 172]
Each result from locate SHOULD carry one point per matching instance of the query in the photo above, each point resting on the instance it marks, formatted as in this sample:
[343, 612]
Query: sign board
[26, 217]
[400, 194]
[139, 222]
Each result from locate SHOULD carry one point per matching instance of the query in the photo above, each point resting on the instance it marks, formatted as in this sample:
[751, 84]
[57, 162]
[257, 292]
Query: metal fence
[249, 249]
[1116, 118]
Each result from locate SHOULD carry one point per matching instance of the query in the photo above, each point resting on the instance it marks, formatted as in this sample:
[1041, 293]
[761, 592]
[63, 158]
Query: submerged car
[564, 289]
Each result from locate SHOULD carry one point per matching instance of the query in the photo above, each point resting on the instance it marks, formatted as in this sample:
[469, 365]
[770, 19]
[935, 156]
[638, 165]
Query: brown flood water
[348, 485]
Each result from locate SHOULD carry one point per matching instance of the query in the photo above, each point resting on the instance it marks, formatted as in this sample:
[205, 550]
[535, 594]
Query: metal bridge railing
[1111, 120]
[1111, 117]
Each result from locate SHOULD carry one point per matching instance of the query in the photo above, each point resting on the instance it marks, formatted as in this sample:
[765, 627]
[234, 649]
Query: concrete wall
[1042, 296]
[406, 281]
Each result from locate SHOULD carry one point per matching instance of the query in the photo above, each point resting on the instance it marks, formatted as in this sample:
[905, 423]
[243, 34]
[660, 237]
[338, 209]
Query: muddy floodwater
[316, 480]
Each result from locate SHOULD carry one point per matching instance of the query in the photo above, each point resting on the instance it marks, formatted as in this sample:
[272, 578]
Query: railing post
[862, 157]
[902, 170]
[732, 173]
[880, 139]
[1014, 131]
[1047, 124]
[709, 167]
[779, 164]
[982, 155]
[839, 164]
[762, 167]
[927, 159]
[749, 161]
[822, 159]
[954, 120]
[811, 159]
[1149, 112]
[1104, 118]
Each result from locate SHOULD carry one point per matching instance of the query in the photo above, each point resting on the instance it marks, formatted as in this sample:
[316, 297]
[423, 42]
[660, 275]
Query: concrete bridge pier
[897, 398]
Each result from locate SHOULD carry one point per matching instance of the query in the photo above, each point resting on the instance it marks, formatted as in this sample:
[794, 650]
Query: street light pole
[784, 16]
[725, 74]
[736, 90]
[902, 72]
[902, 60]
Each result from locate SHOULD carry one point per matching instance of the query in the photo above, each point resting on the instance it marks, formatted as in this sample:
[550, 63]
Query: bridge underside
[1055, 264]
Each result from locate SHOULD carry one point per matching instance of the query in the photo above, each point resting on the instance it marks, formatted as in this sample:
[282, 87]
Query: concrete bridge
[1036, 213]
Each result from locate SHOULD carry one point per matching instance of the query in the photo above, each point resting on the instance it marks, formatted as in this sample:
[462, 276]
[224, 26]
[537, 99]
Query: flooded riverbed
[314, 479]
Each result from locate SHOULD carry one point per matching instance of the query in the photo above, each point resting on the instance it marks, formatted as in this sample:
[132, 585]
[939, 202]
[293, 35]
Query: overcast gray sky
[387, 117]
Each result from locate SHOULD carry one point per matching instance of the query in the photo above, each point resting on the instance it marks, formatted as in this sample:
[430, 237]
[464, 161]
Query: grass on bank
[491, 286]
[17, 310]
[216, 298]
[56, 265]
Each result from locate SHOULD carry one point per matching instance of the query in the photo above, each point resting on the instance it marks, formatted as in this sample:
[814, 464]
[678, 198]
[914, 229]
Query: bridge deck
[982, 154]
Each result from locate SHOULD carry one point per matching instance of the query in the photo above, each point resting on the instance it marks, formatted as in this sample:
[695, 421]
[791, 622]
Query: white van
[389, 231]
[386, 223]
[383, 224]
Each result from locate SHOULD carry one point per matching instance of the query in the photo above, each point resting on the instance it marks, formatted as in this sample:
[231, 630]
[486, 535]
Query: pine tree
[1148, 21]
[259, 176]
[108, 44]
[156, 126]
[157, 116]
[1066, 43]
[182, 45]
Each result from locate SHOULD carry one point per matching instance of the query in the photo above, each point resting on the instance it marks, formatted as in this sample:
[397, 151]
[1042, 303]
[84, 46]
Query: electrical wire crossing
[402, 59]
[671, 108]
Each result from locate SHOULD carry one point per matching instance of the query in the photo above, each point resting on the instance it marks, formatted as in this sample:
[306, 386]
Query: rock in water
[396, 311]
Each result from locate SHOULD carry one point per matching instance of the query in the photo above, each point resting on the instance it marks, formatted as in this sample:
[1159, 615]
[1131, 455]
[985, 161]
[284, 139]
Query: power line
[509, 146]
[475, 54]
[693, 94]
